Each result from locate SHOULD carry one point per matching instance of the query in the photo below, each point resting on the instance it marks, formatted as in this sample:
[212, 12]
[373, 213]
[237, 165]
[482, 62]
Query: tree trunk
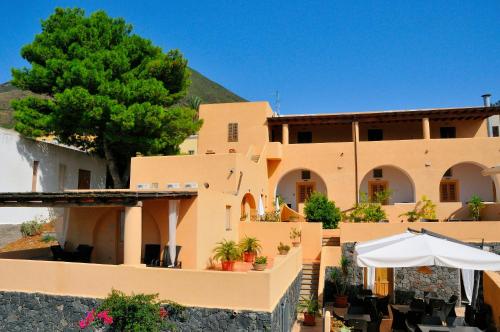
[118, 182]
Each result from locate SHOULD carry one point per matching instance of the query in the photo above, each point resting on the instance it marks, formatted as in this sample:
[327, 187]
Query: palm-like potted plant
[260, 263]
[250, 247]
[309, 307]
[475, 206]
[339, 276]
[295, 236]
[227, 252]
[283, 249]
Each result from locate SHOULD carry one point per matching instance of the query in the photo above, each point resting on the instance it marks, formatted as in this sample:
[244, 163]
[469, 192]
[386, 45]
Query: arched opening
[248, 207]
[107, 239]
[463, 180]
[296, 186]
[389, 178]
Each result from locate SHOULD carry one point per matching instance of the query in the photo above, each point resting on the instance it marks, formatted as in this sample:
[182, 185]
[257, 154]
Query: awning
[412, 249]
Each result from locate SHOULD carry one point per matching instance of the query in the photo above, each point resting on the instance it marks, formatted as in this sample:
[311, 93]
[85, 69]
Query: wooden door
[375, 187]
[383, 281]
[83, 179]
[448, 191]
[304, 191]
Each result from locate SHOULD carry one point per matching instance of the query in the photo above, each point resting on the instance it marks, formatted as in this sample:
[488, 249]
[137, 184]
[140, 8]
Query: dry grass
[31, 242]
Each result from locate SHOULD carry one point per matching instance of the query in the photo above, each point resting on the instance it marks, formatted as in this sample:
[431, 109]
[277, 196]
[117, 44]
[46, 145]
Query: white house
[31, 165]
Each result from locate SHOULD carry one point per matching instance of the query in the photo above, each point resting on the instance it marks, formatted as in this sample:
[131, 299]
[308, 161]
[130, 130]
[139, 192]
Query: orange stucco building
[246, 153]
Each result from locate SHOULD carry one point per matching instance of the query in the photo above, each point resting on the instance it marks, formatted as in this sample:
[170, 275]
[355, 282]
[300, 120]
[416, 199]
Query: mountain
[207, 90]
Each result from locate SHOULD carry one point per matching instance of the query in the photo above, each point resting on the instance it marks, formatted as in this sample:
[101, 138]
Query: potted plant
[227, 252]
[295, 236]
[283, 249]
[339, 277]
[428, 210]
[475, 206]
[250, 247]
[309, 307]
[260, 263]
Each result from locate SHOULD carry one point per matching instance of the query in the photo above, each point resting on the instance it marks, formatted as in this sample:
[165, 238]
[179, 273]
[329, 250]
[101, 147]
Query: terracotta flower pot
[309, 319]
[259, 267]
[227, 265]
[296, 244]
[249, 257]
[341, 301]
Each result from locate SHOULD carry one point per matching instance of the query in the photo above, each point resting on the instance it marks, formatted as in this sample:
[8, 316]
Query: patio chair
[398, 320]
[374, 324]
[59, 254]
[83, 253]
[167, 260]
[470, 315]
[152, 254]
[453, 300]
[410, 327]
[414, 317]
[432, 320]
[435, 306]
[417, 305]
[383, 305]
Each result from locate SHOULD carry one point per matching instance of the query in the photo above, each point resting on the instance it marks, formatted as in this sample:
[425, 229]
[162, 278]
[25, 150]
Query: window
[375, 134]
[448, 173]
[448, 132]
[232, 132]
[228, 217]
[306, 175]
[34, 177]
[304, 137]
[448, 191]
[83, 179]
[377, 173]
[494, 131]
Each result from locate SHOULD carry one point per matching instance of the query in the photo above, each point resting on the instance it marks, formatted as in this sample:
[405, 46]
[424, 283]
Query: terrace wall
[491, 291]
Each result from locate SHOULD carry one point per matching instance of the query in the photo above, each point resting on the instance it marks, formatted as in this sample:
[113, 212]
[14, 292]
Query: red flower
[163, 312]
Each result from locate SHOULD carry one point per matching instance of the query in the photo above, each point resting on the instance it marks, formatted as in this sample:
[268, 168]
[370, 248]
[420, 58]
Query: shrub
[226, 251]
[137, 312]
[424, 208]
[32, 227]
[284, 247]
[475, 206]
[46, 238]
[319, 209]
[366, 211]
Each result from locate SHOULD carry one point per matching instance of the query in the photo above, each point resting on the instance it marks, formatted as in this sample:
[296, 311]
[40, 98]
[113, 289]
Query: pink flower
[82, 324]
[163, 312]
[90, 316]
[105, 317]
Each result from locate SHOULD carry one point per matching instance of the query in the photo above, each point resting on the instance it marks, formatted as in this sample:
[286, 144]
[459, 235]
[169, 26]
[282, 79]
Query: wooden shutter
[305, 191]
[448, 191]
[232, 132]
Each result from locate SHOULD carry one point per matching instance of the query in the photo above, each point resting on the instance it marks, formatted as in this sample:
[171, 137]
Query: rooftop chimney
[486, 99]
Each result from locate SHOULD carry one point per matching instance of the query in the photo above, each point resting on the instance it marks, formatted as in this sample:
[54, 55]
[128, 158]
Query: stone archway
[248, 207]
[463, 180]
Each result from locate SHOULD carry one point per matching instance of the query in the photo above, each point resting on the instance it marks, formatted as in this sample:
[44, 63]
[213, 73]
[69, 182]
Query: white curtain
[173, 212]
[260, 208]
[468, 280]
[370, 278]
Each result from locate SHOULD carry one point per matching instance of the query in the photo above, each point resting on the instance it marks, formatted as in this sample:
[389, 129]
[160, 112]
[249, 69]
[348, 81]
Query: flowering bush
[102, 319]
[137, 312]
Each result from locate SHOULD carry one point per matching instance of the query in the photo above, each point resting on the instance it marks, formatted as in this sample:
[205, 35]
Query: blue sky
[322, 56]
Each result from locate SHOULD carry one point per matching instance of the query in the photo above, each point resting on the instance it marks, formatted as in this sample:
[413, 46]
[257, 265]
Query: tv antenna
[277, 104]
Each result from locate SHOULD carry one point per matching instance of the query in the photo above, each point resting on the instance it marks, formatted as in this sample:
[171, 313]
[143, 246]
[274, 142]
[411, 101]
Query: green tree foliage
[108, 90]
[319, 209]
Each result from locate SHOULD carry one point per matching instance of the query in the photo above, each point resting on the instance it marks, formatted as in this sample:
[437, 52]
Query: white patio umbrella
[173, 213]
[260, 208]
[422, 249]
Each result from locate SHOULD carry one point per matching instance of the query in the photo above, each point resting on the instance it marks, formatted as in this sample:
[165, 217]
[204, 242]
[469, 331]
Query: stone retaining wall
[42, 312]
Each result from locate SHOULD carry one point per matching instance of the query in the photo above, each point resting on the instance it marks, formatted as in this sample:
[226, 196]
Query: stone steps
[310, 280]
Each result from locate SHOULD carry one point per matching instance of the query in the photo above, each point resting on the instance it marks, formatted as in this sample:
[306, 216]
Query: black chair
[415, 317]
[383, 305]
[432, 320]
[484, 316]
[435, 307]
[356, 310]
[83, 253]
[417, 305]
[404, 297]
[453, 302]
[398, 320]
[370, 307]
[410, 327]
[151, 254]
[59, 254]
[366, 292]
[470, 315]
[374, 324]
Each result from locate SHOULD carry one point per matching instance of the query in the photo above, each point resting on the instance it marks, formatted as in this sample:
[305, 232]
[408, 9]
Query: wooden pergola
[88, 198]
